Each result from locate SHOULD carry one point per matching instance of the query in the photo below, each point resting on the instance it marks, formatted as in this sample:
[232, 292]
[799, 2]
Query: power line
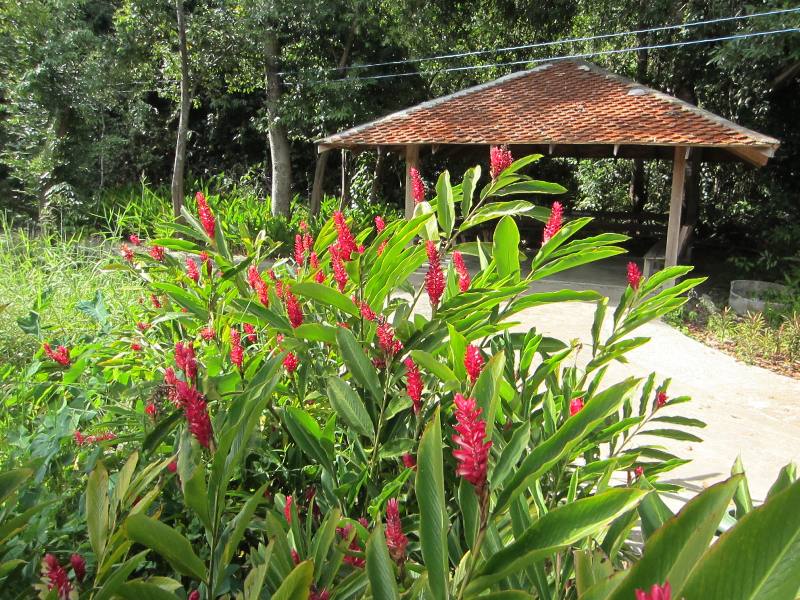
[740, 36]
[564, 41]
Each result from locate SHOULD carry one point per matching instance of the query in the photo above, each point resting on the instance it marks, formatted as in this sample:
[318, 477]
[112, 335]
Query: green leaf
[653, 511]
[565, 525]
[380, 567]
[306, 433]
[591, 566]
[444, 204]
[673, 434]
[572, 432]
[237, 527]
[487, 390]
[97, 508]
[349, 406]
[327, 296]
[468, 185]
[95, 309]
[357, 363]
[511, 453]
[11, 481]
[505, 248]
[742, 498]
[430, 232]
[315, 332]
[120, 575]
[674, 550]
[504, 595]
[297, 584]
[519, 208]
[141, 590]
[433, 524]
[168, 543]
[531, 186]
[758, 559]
[430, 364]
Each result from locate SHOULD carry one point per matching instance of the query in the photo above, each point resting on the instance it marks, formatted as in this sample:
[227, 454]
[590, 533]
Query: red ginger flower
[395, 538]
[291, 362]
[155, 301]
[57, 577]
[319, 277]
[473, 452]
[639, 471]
[634, 276]
[126, 252]
[382, 247]
[380, 224]
[657, 592]
[575, 406]
[87, 440]
[417, 186]
[207, 333]
[185, 359]
[205, 214]
[661, 399]
[206, 260]
[366, 312]
[386, 339]
[299, 251]
[434, 278]
[313, 260]
[252, 337]
[141, 326]
[354, 561]
[295, 557]
[409, 461]
[151, 410]
[473, 362]
[135, 239]
[193, 595]
[196, 412]
[60, 354]
[78, 566]
[308, 243]
[413, 384]
[339, 272]
[293, 309]
[553, 224]
[287, 509]
[192, 272]
[172, 467]
[237, 352]
[259, 286]
[499, 160]
[346, 242]
[157, 252]
[319, 595]
[461, 270]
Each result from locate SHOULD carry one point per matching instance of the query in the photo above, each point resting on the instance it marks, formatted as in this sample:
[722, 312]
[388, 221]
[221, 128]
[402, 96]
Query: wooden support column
[319, 177]
[675, 206]
[412, 161]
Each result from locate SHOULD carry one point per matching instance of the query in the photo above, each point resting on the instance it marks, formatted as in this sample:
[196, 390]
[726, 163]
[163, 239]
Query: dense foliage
[334, 426]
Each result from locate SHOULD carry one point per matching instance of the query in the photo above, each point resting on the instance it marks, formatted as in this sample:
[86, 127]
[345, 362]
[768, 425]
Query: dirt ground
[751, 412]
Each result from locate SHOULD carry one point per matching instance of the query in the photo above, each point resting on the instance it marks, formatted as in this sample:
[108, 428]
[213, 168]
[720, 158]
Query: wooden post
[412, 160]
[319, 177]
[345, 200]
[675, 206]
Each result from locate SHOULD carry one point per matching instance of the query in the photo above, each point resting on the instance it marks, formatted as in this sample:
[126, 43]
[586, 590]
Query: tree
[179, 168]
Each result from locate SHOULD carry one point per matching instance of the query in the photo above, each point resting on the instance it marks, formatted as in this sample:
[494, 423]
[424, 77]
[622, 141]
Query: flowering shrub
[301, 429]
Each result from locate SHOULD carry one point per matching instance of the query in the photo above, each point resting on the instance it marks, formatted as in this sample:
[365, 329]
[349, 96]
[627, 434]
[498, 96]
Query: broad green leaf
[97, 504]
[380, 568]
[571, 433]
[444, 203]
[565, 525]
[11, 481]
[786, 476]
[431, 230]
[673, 551]
[347, 404]
[358, 365]
[758, 559]
[141, 590]
[95, 309]
[531, 186]
[168, 543]
[327, 296]
[112, 586]
[487, 390]
[237, 527]
[742, 499]
[306, 433]
[430, 364]
[433, 524]
[504, 595]
[514, 208]
[653, 511]
[183, 298]
[315, 332]
[591, 566]
[297, 584]
[511, 453]
[468, 186]
[505, 248]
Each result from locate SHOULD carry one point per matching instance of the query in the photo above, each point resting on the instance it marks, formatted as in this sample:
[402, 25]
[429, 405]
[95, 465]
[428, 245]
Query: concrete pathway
[751, 412]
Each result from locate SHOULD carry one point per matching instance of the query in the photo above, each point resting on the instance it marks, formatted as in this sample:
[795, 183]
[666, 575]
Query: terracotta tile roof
[562, 102]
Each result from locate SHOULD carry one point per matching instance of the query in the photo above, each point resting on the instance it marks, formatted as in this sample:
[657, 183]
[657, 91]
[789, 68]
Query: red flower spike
[417, 186]
[252, 336]
[295, 557]
[380, 224]
[78, 567]
[59, 355]
[287, 509]
[339, 272]
[151, 410]
[414, 384]
[473, 451]
[126, 252]
[366, 312]
[461, 270]
[382, 247]
[193, 595]
[395, 538]
[346, 241]
[634, 276]
[499, 160]
[192, 272]
[157, 253]
[135, 239]
[172, 467]
[386, 339]
[319, 595]
[299, 251]
[661, 399]
[313, 260]
[657, 592]
[237, 352]
[207, 333]
[308, 243]
[196, 413]
[293, 309]
[434, 278]
[553, 224]
[409, 461]
[291, 362]
[143, 326]
[57, 577]
[205, 214]
[639, 471]
[319, 277]
[185, 359]
[575, 406]
[155, 301]
[473, 362]
[206, 260]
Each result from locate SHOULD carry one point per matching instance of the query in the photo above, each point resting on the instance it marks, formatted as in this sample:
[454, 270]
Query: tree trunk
[344, 201]
[278, 138]
[376, 176]
[179, 166]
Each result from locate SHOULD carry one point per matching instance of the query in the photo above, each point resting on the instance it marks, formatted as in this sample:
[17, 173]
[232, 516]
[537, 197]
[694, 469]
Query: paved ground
[750, 411]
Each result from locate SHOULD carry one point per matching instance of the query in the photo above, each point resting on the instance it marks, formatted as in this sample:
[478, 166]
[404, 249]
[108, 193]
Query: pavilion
[569, 108]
